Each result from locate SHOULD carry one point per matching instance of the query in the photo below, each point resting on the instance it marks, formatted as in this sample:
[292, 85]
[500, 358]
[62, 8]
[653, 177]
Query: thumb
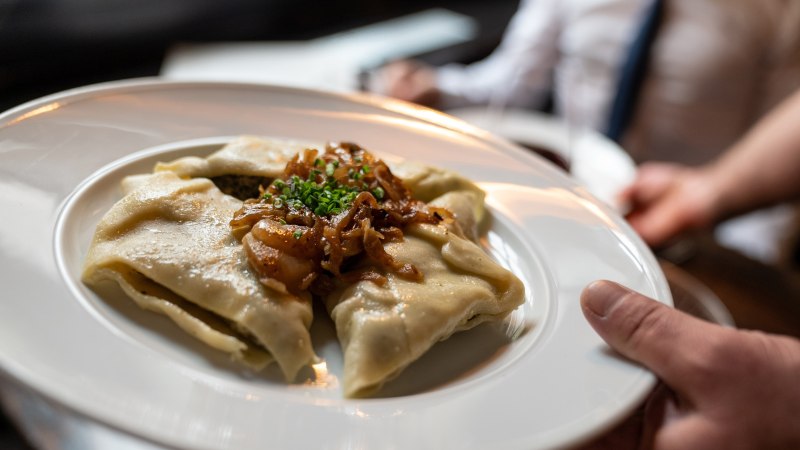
[647, 331]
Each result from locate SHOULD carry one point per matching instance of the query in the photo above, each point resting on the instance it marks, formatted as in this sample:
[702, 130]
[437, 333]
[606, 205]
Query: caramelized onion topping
[327, 208]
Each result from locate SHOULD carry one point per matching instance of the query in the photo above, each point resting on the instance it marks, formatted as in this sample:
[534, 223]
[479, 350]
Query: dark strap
[633, 71]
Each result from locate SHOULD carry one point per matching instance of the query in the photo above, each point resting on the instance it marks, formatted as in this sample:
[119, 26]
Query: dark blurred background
[51, 45]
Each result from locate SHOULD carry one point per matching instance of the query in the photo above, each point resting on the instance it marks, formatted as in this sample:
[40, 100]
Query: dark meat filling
[240, 186]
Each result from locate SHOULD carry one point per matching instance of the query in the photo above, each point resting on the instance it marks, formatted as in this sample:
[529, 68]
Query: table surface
[759, 296]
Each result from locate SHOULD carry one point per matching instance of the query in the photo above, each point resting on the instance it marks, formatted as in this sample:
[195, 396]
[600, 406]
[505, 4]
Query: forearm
[764, 167]
[518, 71]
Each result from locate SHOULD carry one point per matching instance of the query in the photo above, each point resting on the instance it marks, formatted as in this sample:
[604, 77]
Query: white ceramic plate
[554, 384]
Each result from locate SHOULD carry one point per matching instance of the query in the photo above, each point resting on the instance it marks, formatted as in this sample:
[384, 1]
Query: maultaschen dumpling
[168, 244]
[382, 329]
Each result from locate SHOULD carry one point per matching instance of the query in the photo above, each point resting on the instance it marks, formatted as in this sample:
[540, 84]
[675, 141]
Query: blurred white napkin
[330, 63]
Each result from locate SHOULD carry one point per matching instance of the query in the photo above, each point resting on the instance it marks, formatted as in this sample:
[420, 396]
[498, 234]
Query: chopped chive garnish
[320, 192]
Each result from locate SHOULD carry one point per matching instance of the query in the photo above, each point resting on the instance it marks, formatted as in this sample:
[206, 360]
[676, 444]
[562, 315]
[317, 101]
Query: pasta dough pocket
[383, 329]
[168, 244]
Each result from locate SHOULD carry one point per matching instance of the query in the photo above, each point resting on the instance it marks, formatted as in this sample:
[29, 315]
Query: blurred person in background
[726, 388]
[692, 77]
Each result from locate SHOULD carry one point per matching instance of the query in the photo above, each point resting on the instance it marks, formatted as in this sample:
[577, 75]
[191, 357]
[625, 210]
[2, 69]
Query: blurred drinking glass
[582, 87]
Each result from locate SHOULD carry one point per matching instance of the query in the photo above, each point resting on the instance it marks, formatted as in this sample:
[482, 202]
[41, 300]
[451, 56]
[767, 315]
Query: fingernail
[601, 297]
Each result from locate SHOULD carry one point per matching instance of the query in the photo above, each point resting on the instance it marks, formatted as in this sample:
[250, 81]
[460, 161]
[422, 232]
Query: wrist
[702, 194]
[719, 192]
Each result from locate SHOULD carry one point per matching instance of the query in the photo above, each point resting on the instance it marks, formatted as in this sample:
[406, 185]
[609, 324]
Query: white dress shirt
[574, 47]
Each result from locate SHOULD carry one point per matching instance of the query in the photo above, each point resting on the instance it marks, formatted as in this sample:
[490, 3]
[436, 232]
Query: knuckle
[722, 355]
[645, 323]
[758, 347]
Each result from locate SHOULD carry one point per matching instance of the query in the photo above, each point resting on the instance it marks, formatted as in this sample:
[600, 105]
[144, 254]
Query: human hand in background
[409, 80]
[725, 388]
[669, 199]
[759, 170]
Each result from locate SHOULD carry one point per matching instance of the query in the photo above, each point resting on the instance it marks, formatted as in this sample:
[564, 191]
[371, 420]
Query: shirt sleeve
[519, 71]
